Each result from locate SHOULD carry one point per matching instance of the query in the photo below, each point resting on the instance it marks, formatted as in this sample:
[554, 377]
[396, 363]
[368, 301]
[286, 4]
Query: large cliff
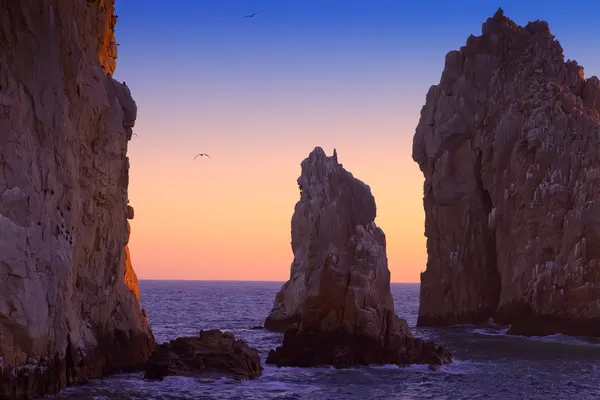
[66, 312]
[509, 144]
[337, 308]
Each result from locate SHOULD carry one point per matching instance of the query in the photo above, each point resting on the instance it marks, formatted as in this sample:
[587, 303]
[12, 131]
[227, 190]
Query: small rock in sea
[211, 353]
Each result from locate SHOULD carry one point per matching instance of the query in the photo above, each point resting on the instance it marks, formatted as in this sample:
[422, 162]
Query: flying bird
[202, 154]
[250, 16]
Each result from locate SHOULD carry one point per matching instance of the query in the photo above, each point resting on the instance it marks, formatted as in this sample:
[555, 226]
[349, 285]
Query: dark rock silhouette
[211, 353]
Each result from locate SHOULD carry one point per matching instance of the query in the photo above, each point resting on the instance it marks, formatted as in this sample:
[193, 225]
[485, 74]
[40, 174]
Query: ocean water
[488, 363]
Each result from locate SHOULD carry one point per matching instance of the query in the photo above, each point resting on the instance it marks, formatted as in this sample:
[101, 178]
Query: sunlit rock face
[66, 311]
[508, 142]
[131, 279]
[337, 308]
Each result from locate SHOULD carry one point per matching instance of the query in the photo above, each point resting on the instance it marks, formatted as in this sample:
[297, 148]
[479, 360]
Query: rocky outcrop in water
[211, 353]
[66, 312]
[337, 308]
[508, 143]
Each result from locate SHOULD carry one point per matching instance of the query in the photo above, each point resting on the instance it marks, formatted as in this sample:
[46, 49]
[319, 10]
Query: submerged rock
[508, 144]
[337, 308]
[211, 353]
[67, 313]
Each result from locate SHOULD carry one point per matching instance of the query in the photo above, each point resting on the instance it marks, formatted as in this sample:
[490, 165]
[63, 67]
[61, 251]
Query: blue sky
[326, 36]
[319, 50]
[259, 93]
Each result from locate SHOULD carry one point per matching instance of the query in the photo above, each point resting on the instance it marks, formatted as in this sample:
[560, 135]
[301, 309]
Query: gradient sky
[259, 94]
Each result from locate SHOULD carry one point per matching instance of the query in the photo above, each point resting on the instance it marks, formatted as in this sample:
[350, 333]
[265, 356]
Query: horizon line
[228, 280]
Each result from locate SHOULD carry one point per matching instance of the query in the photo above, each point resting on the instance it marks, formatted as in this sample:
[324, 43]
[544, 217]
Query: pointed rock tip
[317, 152]
[498, 23]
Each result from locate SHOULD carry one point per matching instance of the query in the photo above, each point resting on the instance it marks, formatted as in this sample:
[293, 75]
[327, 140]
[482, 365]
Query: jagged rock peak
[323, 178]
[507, 142]
[337, 307]
[318, 165]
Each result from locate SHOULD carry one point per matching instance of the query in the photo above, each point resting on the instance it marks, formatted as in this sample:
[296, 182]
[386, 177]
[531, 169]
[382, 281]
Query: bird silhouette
[250, 16]
[202, 154]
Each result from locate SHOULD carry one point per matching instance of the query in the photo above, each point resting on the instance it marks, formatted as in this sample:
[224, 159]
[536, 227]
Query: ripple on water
[489, 364]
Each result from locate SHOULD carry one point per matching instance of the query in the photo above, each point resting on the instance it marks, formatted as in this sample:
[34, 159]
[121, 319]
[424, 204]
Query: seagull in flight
[250, 16]
[202, 154]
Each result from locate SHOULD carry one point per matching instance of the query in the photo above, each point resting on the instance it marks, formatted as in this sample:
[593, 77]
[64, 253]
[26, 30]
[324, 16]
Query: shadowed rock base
[542, 325]
[474, 317]
[117, 352]
[280, 325]
[211, 353]
[302, 348]
[524, 321]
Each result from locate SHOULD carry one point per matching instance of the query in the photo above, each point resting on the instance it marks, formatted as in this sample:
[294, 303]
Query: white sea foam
[491, 331]
[557, 338]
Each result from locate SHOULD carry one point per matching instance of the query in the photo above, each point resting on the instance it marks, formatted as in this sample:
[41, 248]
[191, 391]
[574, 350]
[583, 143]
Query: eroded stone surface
[66, 313]
[337, 307]
[508, 143]
[211, 353]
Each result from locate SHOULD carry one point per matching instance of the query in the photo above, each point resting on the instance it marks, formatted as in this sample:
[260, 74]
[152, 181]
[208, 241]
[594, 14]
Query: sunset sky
[258, 94]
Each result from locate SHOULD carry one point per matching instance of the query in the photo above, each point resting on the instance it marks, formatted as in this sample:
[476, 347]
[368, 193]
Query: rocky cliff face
[66, 312]
[508, 143]
[337, 308]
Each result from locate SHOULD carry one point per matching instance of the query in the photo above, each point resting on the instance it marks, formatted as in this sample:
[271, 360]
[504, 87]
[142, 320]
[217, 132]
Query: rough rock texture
[131, 279]
[337, 308]
[66, 313]
[211, 353]
[509, 145]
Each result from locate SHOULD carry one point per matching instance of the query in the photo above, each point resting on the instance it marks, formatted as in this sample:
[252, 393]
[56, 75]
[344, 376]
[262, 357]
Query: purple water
[489, 364]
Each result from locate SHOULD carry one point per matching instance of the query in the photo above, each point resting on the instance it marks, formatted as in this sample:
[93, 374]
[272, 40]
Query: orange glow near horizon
[228, 218]
[259, 94]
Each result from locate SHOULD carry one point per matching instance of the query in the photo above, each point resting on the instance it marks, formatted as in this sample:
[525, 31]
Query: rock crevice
[507, 142]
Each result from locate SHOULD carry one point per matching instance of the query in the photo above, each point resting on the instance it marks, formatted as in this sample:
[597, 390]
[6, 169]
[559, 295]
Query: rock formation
[131, 279]
[212, 352]
[66, 312]
[509, 144]
[337, 308]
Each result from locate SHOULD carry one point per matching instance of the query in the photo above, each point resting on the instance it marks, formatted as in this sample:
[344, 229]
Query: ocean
[488, 363]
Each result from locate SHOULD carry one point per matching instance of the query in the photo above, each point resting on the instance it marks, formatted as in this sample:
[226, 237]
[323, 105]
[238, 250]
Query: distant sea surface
[488, 363]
